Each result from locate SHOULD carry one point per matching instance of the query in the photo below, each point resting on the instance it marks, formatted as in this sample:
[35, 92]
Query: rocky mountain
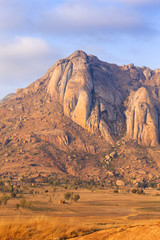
[86, 119]
[92, 94]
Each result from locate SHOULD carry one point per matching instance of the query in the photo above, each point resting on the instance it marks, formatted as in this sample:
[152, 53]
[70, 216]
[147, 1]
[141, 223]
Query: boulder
[157, 71]
[120, 183]
[56, 136]
[147, 73]
[6, 141]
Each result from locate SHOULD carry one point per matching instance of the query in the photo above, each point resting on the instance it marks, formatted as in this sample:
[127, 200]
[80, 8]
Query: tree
[134, 190]
[13, 195]
[67, 195]
[22, 202]
[17, 206]
[75, 197]
[4, 199]
[31, 191]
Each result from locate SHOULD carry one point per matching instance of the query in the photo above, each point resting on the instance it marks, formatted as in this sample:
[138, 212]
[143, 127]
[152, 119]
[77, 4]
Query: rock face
[81, 86]
[71, 84]
[142, 118]
[92, 94]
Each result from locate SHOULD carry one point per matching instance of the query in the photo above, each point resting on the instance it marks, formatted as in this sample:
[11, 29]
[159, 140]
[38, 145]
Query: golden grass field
[98, 215]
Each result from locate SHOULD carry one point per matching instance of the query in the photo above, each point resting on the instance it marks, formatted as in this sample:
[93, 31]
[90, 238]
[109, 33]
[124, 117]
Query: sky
[34, 34]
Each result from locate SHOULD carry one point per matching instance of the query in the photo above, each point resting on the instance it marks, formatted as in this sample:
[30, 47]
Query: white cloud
[23, 47]
[20, 55]
[72, 17]
[23, 60]
[84, 17]
[133, 2]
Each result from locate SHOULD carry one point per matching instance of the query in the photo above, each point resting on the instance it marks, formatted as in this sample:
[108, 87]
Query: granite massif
[84, 118]
[92, 94]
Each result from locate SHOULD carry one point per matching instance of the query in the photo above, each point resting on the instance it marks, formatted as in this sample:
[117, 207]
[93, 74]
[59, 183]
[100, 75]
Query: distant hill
[6, 97]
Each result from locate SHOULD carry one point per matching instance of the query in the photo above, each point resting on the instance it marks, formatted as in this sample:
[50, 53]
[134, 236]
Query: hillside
[84, 119]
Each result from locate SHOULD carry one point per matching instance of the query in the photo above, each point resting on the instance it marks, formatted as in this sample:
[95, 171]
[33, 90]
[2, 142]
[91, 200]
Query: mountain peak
[78, 53]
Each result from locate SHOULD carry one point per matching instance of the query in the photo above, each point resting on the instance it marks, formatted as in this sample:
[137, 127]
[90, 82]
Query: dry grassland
[40, 228]
[98, 215]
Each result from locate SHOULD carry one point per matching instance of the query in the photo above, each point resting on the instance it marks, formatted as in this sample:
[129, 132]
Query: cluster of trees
[9, 189]
[71, 196]
[72, 183]
[5, 198]
[23, 204]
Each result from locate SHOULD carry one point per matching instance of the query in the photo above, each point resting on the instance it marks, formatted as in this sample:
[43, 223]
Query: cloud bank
[81, 17]
[73, 17]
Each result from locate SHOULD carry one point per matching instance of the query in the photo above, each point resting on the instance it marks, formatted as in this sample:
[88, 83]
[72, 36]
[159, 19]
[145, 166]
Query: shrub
[140, 191]
[116, 191]
[152, 185]
[24, 203]
[17, 206]
[50, 200]
[13, 195]
[4, 199]
[134, 190]
[10, 188]
[31, 191]
[21, 195]
[1, 183]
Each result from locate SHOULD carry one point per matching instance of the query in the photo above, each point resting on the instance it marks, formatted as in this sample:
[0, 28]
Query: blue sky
[36, 33]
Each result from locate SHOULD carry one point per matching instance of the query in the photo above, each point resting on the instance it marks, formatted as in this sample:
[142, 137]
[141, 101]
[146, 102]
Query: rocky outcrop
[92, 94]
[71, 84]
[142, 118]
[57, 137]
[6, 141]
[86, 94]
[147, 73]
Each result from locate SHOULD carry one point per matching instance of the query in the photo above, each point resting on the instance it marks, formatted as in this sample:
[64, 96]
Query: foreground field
[41, 228]
[98, 215]
[50, 229]
[141, 232]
